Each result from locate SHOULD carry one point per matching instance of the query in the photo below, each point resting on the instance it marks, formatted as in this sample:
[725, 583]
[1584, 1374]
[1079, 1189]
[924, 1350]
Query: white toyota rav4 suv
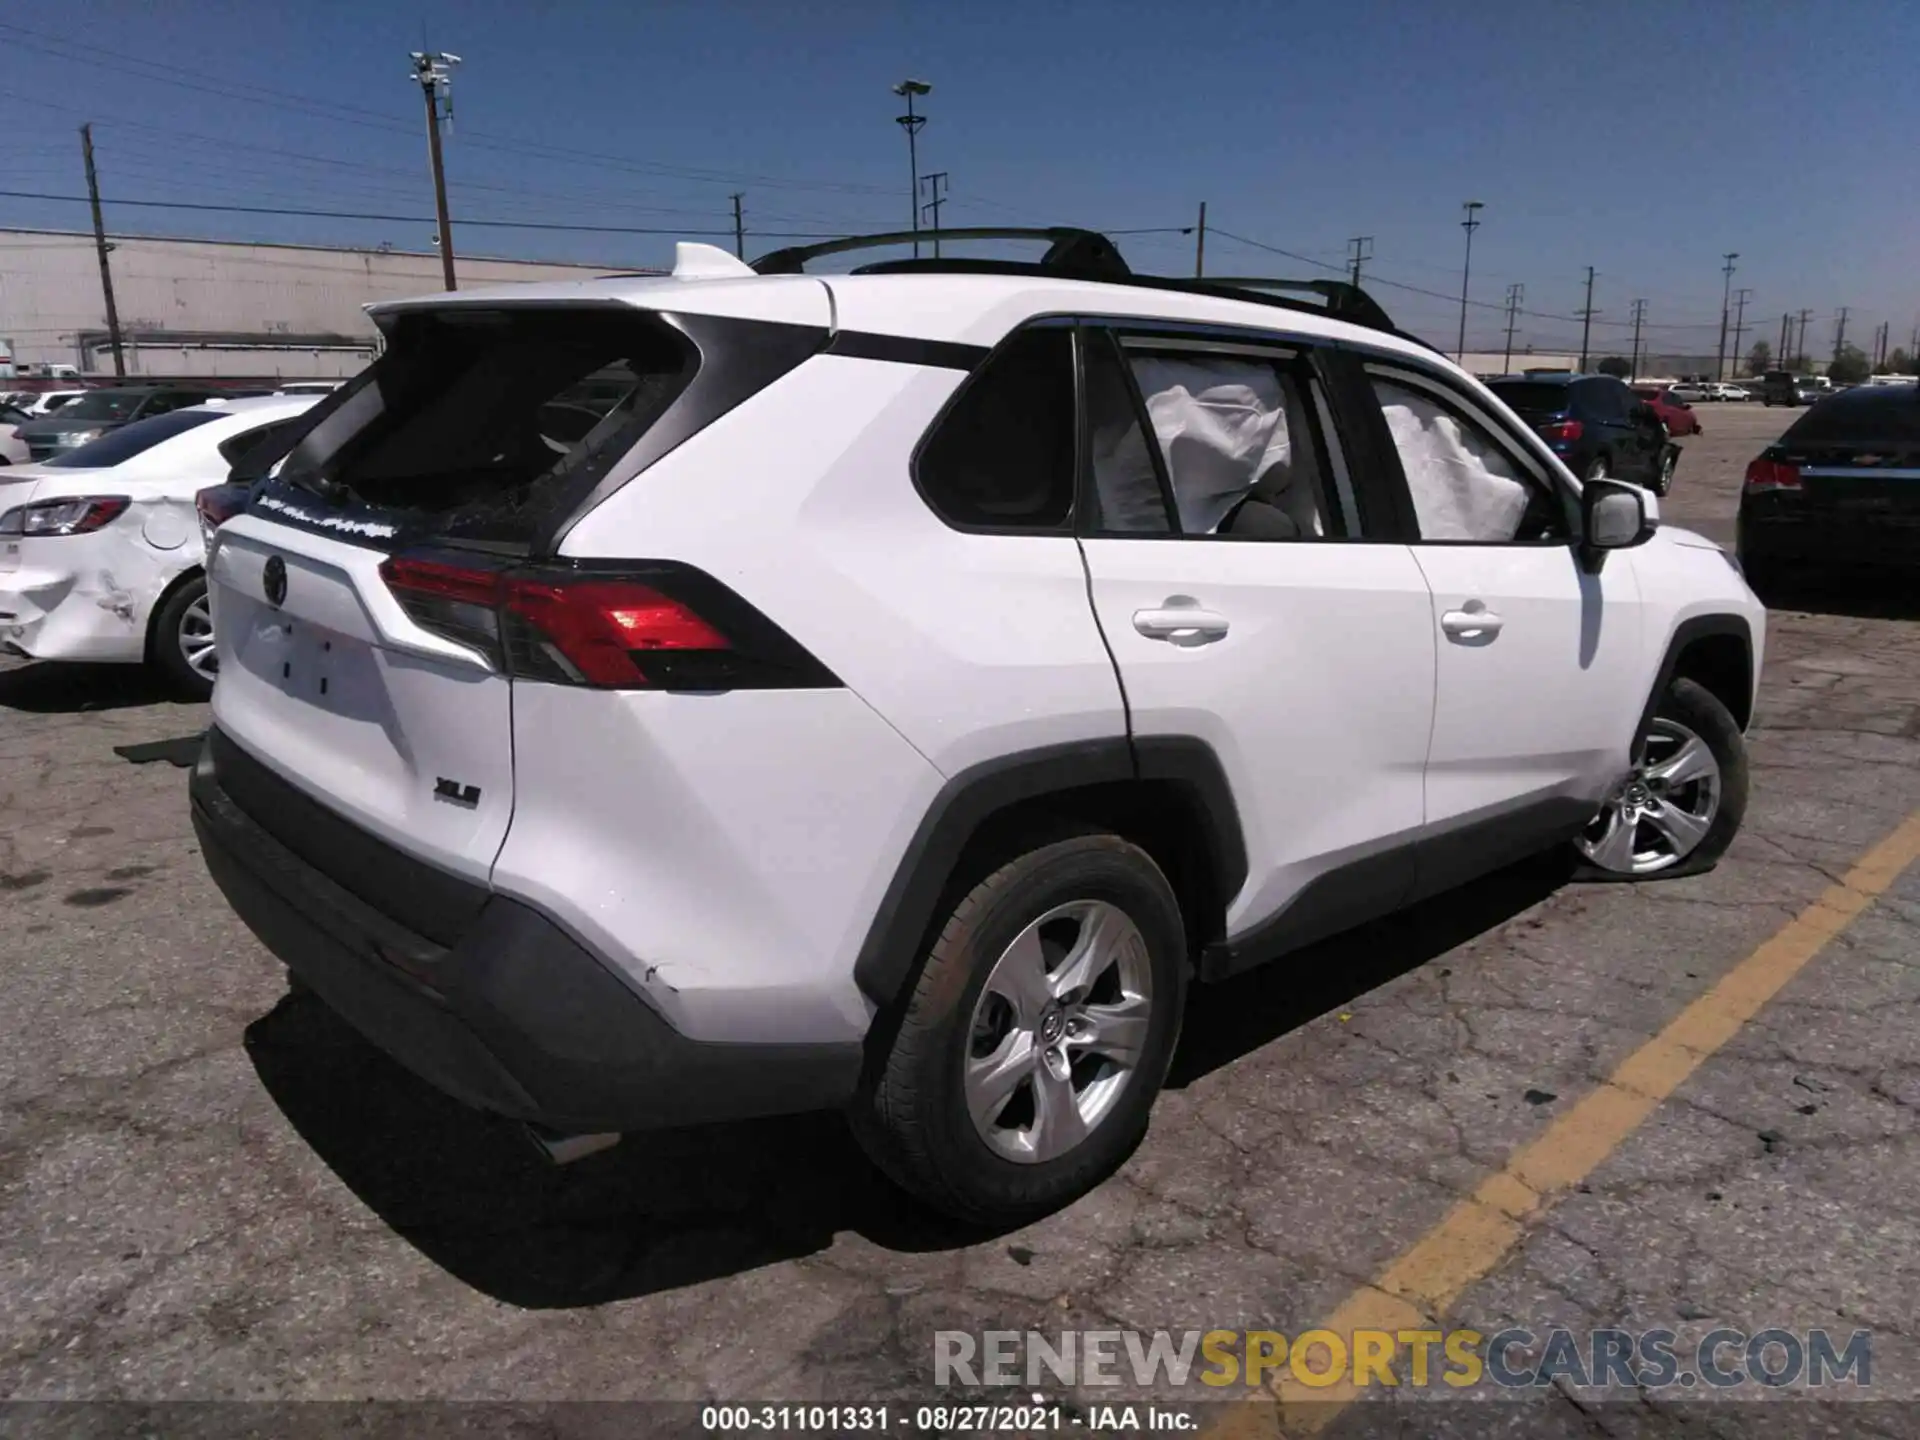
[647, 701]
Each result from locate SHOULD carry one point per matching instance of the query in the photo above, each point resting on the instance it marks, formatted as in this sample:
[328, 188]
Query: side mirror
[1613, 516]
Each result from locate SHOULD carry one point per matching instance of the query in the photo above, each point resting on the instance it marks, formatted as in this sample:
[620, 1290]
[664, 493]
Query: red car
[1676, 415]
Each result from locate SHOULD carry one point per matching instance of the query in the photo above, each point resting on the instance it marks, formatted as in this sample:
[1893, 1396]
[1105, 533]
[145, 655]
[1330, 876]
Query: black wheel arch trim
[1685, 634]
[891, 953]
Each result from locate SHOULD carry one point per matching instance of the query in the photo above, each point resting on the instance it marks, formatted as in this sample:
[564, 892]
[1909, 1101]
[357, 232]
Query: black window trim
[1299, 354]
[1519, 450]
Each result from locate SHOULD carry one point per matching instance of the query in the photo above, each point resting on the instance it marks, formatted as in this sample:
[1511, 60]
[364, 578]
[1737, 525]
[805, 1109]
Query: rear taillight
[656, 626]
[218, 504]
[80, 515]
[1764, 475]
[1562, 430]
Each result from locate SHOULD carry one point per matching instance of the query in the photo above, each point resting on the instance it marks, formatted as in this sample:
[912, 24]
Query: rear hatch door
[462, 454]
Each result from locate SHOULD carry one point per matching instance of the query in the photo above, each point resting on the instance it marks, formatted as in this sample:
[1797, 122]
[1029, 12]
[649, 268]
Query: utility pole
[739, 230]
[1800, 344]
[434, 73]
[1726, 299]
[1470, 224]
[1840, 333]
[936, 184]
[1786, 329]
[1516, 292]
[1880, 345]
[100, 247]
[1586, 321]
[1359, 248]
[1740, 298]
[1639, 315]
[913, 124]
[1200, 244]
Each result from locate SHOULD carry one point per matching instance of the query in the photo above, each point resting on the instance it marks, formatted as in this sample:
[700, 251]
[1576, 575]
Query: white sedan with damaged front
[101, 555]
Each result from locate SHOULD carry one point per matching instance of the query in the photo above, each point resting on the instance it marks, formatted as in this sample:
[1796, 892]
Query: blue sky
[1642, 139]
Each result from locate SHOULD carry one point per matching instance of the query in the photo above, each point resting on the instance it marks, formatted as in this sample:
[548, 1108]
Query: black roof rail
[1345, 300]
[1071, 251]
[1079, 254]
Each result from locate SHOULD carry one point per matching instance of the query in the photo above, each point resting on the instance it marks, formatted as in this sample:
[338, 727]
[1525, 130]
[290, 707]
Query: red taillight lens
[598, 631]
[81, 515]
[669, 627]
[1764, 475]
[1562, 430]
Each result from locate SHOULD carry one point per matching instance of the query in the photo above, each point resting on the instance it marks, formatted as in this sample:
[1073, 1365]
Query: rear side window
[116, 447]
[480, 421]
[1235, 443]
[1002, 457]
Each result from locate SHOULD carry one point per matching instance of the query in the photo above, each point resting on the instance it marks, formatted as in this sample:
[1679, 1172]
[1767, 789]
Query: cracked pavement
[210, 1190]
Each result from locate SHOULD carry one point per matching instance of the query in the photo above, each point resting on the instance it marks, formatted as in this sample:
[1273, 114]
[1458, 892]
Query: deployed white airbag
[1221, 424]
[1463, 489]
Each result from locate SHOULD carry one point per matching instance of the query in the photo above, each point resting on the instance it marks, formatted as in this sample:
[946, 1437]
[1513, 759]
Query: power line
[412, 219]
[228, 89]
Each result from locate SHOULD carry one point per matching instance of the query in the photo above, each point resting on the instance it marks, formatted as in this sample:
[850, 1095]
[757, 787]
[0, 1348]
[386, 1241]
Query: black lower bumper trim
[516, 1016]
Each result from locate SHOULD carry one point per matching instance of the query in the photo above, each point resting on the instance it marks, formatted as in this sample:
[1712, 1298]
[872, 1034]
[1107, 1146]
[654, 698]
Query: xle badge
[273, 580]
[445, 789]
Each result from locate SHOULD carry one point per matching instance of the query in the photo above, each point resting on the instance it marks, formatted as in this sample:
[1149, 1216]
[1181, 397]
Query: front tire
[1025, 1064]
[181, 648]
[1679, 806]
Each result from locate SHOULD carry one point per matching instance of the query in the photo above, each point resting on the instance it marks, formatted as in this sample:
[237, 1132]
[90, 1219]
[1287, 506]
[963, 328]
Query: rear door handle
[1181, 624]
[1472, 621]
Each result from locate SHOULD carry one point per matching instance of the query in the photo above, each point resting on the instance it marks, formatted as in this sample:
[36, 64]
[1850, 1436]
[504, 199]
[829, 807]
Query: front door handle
[1181, 624]
[1472, 621]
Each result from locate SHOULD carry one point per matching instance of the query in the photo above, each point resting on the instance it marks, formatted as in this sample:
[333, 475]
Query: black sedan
[99, 411]
[1839, 490]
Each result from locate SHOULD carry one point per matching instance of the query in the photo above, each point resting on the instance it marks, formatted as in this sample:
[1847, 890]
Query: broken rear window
[482, 421]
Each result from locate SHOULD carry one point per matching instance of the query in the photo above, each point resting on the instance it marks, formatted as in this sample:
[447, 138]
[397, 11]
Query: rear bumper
[513, 1016]
[1816, 540]
[76, 611]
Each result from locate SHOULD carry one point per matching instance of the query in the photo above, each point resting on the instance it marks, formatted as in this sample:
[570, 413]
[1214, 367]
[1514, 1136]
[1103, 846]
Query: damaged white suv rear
[657, 701]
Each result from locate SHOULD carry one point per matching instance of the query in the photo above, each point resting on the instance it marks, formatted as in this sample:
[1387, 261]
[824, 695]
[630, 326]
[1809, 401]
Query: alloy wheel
[196, 639]
[1661, 812]
[1058, 1031]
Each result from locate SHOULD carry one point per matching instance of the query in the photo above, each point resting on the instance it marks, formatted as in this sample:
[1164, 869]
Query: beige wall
[244, 304]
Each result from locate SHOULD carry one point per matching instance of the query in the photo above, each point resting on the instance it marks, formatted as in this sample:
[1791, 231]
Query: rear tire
[1663, 480]
[1038, 1032]
[181, 645]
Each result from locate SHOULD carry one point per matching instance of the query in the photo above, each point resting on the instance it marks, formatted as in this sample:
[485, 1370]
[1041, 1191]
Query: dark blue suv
[1599, 427]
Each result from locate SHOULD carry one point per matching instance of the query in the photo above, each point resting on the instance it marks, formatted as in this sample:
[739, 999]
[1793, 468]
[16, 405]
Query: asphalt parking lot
[210, 1190]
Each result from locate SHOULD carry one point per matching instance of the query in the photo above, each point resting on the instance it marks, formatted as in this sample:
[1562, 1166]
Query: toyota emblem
[273, 580]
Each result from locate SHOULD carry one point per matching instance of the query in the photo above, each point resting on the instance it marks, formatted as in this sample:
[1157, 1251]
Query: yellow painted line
[1418, 1287]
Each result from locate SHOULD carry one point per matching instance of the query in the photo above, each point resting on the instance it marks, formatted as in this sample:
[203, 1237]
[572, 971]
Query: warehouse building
[215, 308]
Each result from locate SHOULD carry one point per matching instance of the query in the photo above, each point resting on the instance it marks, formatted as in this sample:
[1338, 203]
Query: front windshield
[102, 405]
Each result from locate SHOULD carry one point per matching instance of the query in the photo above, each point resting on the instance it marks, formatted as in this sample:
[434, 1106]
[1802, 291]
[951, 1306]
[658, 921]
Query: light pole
[1726, 305]
[912, 123]
[1470, 224]
[433, 71]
